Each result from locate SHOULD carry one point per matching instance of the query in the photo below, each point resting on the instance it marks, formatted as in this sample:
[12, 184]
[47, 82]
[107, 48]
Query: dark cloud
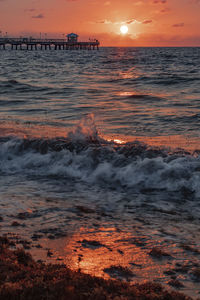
[160, 1]
[29, 9]
[147, 21]
[105, 21]
[40, 16]
[130, 21]
[178, 25]
[165, 10]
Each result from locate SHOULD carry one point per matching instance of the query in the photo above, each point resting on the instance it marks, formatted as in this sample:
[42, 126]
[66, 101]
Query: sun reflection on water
[94, 251]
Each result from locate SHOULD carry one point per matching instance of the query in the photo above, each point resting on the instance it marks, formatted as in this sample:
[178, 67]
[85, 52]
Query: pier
[71, 43]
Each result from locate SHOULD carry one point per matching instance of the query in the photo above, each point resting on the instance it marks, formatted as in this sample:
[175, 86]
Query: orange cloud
[147, 22]
[40, 16]
[178, 25]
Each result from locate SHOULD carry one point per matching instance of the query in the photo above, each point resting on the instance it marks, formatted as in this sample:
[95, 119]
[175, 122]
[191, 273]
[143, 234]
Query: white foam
[105, 167]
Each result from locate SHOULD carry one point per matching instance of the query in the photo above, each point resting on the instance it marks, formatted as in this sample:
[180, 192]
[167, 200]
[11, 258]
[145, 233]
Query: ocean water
[104, 146]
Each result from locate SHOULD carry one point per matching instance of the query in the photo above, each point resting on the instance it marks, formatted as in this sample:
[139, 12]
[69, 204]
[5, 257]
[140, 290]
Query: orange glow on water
[31, 131]
[117, 141]
[95, 251]
[124, 94]
[47, 131]
[174, 141]
[113, 248]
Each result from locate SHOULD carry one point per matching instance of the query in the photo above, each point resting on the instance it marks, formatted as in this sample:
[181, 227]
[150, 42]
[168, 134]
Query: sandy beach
[23, 278]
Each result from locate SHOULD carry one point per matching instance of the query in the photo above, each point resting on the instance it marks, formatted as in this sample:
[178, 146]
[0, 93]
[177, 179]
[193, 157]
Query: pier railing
[57, 44]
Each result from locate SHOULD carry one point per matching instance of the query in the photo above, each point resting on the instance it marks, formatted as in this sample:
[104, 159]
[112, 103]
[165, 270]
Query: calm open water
[70, 162]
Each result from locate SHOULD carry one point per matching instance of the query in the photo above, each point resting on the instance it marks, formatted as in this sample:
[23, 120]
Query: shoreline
[24, 278]
[130, 260]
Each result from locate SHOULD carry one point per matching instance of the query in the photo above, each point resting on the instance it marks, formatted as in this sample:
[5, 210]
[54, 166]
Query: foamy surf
[86, 157]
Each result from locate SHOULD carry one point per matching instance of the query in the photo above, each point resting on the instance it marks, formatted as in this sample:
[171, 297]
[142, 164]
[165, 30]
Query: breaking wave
[84, 156]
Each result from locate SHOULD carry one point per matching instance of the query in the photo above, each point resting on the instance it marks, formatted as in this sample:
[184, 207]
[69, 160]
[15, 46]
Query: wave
[172, 79]
[138, 97]
[17, 86]
[84, 156]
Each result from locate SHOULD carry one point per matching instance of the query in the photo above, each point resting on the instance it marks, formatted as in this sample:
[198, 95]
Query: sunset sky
[150, 22]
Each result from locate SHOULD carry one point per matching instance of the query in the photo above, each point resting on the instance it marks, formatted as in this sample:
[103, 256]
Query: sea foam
[84, 156]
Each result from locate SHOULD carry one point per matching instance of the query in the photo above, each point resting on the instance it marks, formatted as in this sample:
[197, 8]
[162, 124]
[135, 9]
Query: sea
[100, 160]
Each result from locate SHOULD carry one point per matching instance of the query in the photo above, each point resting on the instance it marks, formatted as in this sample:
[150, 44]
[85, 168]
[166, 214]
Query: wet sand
[23, 278]
[109, 252]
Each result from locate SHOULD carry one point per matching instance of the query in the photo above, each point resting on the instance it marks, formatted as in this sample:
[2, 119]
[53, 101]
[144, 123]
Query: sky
[150, 22]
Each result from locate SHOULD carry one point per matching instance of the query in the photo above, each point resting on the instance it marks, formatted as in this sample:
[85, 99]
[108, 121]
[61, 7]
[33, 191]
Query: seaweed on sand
[23, 278]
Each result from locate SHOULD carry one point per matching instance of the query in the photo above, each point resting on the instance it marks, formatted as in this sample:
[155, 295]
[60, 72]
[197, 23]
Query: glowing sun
[124, 29]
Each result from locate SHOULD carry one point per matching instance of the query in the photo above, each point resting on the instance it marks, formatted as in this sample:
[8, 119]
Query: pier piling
[46, 44]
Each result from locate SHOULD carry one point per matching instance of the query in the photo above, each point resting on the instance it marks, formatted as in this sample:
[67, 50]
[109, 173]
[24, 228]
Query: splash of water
[85, 131]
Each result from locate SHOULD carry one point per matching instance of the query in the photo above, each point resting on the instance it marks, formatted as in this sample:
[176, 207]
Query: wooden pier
[46, 44]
